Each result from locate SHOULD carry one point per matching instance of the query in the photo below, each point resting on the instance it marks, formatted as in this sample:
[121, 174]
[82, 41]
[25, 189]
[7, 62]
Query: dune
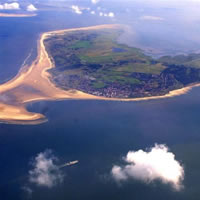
[33, 83]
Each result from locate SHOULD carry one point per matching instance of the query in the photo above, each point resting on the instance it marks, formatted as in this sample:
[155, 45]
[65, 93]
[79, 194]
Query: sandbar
[17, 15]
[33, 83]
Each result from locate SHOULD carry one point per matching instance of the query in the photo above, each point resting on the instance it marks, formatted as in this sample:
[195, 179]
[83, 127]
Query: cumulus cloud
[148, 17]
[93, 12]
[10, 6]
[156, 164]
[76, 9]
[110, 14]
[31, 8]
[79, 10]
[45, 172]
[95, 1]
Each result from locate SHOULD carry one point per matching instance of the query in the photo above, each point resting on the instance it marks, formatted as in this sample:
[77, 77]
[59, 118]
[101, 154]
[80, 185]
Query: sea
[98, 134]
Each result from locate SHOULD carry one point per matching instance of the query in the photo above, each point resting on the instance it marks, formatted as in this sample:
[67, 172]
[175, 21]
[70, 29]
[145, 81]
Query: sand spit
[32, 84]
[16, 15]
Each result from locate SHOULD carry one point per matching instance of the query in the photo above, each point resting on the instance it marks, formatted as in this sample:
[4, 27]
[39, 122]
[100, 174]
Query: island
[93, 61]
[88, 63]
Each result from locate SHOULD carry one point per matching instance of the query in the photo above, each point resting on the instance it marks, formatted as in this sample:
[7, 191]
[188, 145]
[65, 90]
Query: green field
[99, 48]
[94, 62]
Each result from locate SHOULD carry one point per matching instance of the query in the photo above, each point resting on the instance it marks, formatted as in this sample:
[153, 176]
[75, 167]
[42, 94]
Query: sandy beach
[16, 15]
[32, 84]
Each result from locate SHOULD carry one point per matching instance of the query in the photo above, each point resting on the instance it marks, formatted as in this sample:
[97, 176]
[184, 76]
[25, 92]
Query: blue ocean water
[19, 36]
[97, 133]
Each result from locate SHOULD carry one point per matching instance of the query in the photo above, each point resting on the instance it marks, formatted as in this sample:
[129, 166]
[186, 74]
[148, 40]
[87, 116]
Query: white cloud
[45, 172]
[148, 17]
[111, 14]
[95, 1]
[93, 12]
[79, 10]
[9, 6]
[31, 8]
[76, 9]
[156, 164]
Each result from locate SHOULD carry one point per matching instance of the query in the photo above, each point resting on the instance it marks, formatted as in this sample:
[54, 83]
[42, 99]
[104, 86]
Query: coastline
[33, 83]
[17, 15]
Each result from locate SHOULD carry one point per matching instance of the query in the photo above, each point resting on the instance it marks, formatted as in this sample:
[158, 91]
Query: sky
[103, 4]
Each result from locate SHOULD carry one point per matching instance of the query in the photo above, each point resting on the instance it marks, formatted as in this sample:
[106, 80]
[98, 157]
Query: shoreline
[32, 84]
[17, 15]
